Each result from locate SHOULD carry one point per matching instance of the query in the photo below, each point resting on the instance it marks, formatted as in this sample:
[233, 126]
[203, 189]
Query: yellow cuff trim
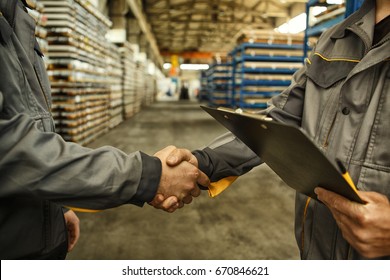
[216, 188]
[83, 210]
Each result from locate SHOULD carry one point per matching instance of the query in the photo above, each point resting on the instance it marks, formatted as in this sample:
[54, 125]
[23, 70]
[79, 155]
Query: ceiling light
[167, 66]
[194, 67]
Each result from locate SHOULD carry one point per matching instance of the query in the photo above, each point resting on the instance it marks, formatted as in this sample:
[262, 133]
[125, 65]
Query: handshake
[179, 180]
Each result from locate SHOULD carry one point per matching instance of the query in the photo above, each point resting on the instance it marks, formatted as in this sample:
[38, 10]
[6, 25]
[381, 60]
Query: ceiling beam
[187, 10]
[136, 9]
[183, 21]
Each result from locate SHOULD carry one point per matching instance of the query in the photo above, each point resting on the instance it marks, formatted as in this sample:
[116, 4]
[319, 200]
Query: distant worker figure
[184, 92]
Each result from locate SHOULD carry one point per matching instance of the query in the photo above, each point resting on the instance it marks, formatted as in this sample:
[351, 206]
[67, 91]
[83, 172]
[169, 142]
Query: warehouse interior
[132, 74]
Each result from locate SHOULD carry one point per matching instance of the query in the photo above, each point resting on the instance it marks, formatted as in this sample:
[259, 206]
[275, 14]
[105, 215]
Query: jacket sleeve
[42, 164]
[227, 156]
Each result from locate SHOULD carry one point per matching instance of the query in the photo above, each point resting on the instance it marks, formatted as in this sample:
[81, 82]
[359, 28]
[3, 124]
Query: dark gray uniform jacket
[39, 172]
[341, 98]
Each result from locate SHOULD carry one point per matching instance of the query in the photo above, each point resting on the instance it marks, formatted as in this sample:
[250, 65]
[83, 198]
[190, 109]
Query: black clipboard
[287, 151]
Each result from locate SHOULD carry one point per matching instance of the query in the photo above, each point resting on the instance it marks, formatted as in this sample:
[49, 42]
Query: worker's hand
[365, 226]
[178, 183]
[73, 227]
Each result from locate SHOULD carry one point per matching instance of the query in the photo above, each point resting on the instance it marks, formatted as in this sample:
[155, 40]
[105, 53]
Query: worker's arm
[228, 156]
[42, 164]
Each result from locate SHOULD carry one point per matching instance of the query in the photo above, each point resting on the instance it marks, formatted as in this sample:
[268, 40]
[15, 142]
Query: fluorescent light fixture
[294, 25]
[194, 67]
[167, 66]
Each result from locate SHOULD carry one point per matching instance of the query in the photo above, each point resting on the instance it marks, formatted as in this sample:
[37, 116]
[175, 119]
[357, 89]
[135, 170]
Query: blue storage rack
[218, 79]
[203, 92]
[249, 87]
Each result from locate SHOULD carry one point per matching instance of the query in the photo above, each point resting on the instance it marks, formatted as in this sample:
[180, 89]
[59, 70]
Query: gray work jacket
[39, 171]
[341, 99]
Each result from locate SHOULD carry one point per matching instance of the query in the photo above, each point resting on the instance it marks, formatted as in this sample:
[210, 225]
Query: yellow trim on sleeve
[303, 223]
[336, 59]
[308, 60]
[83, 210]
[218, 187]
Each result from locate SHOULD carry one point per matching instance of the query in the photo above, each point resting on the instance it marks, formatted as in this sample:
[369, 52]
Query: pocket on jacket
[325, 72]
[375, 178]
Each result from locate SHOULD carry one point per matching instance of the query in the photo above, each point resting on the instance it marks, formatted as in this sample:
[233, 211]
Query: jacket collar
[366, 7]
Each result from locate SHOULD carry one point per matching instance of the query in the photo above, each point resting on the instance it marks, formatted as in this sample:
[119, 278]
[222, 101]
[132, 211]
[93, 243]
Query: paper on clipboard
[287, 151]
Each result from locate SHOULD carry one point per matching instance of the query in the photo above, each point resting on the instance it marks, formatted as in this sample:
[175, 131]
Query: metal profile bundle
[151, 90]
[219, 76]
[115, 73]
[79, 69]
[36, 11]
[203, 93]
[128, 79]
[140, 86]
[260, 71]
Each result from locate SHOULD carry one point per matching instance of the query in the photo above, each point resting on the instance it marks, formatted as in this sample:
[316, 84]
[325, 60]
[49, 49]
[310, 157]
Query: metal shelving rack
[260, 71]
[203, 92]
[218, 79]
[78, 69]
[316, 30]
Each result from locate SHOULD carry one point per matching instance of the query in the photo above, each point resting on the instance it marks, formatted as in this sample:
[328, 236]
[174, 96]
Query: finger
[334, 201]
[170, 203]
[73, 238]
[187, 199]
[373, 197]
[203, 179]
[179, 155]
[74, 235]
[195, 192]
[157, 200]
[331, 199]
[176, 206]
[166, 151]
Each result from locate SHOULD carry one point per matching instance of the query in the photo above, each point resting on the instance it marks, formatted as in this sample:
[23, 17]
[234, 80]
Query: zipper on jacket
[326, 142]
[378, 44]
[42, 91]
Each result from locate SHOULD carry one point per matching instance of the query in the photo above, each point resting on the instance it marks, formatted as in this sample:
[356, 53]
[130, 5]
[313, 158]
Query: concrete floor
[253, 219]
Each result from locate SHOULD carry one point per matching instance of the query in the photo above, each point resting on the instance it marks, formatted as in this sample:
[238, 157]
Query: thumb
[203, 180]
[179, 155]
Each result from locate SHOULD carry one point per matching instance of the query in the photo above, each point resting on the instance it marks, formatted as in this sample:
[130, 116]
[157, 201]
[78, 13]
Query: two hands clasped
[365, 226]
[179, 181]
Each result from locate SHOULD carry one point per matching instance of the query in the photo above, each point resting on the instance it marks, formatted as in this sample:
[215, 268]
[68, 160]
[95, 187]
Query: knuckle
[363, 219]
[360, 235]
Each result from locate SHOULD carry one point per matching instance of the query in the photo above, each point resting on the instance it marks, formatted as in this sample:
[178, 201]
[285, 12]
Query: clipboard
[287, 151]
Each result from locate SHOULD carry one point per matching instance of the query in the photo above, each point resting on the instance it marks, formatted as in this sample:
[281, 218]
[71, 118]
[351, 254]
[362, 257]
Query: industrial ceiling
[182, 26]
[195, 29]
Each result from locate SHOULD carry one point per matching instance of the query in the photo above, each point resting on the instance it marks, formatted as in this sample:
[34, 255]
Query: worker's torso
[29, 228]
[347, 114]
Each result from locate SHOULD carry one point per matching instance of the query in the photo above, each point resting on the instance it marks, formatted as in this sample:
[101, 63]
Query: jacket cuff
[150, 179]
[204, 164]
